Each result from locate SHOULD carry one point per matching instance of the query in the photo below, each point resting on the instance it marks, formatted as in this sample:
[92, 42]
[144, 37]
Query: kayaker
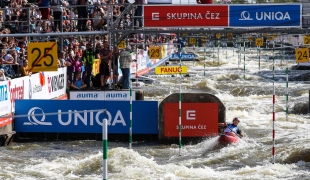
[232, 128]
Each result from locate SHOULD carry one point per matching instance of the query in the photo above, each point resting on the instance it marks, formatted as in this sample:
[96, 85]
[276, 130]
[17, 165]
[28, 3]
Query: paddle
[234, 132]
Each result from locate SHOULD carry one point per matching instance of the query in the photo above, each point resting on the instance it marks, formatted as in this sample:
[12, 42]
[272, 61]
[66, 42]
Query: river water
[246, 94]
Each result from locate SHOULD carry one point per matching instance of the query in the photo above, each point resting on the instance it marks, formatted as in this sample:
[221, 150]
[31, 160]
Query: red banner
[186, 16]
[6, 120]
[198, 119]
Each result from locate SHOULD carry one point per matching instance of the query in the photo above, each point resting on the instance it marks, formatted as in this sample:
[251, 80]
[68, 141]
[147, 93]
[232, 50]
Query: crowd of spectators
[59, 15]
[37, 16]
[66, 15]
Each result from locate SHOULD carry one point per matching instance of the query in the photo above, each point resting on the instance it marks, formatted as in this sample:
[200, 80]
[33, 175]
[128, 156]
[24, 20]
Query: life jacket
[232, 128]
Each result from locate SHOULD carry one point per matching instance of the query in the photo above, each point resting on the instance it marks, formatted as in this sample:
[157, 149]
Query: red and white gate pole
[273, 113]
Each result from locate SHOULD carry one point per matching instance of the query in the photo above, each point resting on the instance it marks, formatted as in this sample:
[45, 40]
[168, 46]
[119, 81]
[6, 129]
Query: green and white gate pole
[286, 88]
[281, 51]
[130, 117]
[105, 148]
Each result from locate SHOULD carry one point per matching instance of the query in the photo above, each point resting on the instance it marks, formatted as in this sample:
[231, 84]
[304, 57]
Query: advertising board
[198, 119]
[265, 15]
[185, 16]
[102, 95]
[31, 87]
[77, 117]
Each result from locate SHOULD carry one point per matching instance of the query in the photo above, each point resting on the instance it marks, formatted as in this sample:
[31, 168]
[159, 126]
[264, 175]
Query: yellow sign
[218, 35]
[249, 38]
[265, 35]
[192, 40]
[155, 52]
[184, 34]
[302, 55]
[171, 70]
[96, 67]
[275, 36]
[42, 56]
[122, 45]
[270, 38]
[259, 41]
[307, 39]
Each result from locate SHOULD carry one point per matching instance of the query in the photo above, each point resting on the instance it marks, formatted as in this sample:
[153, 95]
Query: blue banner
[275, 15]
[183, 56]
[85, 116]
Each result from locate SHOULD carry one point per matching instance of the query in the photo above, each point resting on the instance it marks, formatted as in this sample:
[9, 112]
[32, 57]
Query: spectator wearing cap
[125, 61]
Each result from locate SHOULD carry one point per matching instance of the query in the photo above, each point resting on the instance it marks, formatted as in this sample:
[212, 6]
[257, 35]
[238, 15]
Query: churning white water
[244, 86]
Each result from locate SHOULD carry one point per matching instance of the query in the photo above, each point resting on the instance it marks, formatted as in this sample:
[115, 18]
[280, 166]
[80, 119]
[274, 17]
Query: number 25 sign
[42, 56]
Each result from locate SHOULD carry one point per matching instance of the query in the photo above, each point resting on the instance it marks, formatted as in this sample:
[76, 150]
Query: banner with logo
[56, 83]
[66, 116]
[198, 119]
[186, 16]
[5, 100]
[19, 89]
[102, 95]
[265, 15]
[243, 16]
[47, 85]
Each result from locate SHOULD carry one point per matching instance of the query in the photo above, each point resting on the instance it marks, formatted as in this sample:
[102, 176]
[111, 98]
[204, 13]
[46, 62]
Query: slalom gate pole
[105, 148]
[218, 54]
[273, 112]
[226, 49]
[233, 50]
[180, 110]
[130, 117]
[204, 66]
[239, 54]
[194, 56]
[258, 57]
[213, 53]
[286, 89]
[281, 51]
[267, 45]
[243, 59]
